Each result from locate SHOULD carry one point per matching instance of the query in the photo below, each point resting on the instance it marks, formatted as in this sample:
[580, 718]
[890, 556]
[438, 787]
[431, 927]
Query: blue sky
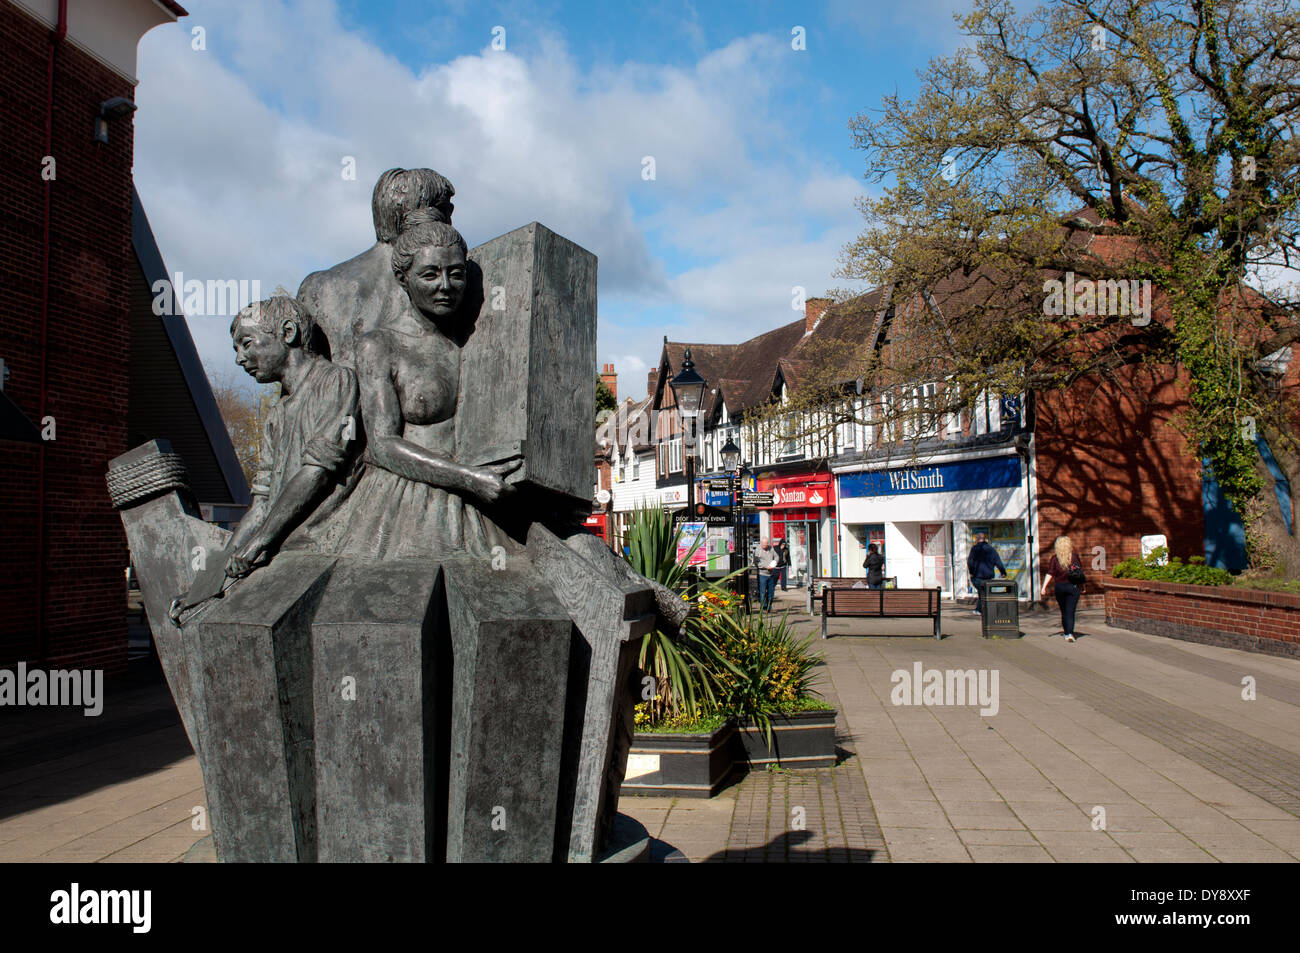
[239, 144]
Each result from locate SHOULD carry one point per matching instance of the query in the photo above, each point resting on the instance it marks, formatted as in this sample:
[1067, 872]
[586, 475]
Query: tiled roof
[743, 372]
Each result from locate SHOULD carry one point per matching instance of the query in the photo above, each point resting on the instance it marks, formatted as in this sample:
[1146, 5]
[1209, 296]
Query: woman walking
[1065, 572]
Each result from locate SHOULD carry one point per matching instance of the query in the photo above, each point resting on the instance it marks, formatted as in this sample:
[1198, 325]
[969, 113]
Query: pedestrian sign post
[704, 513]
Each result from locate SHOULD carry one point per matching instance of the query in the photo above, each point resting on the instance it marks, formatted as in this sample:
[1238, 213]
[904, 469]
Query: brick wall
[87, 351]
[1215, 615]
[1112, 468]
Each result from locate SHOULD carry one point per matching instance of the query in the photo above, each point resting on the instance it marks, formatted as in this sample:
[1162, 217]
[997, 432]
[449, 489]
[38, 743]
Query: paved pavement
[121, 786]
[1118, 747]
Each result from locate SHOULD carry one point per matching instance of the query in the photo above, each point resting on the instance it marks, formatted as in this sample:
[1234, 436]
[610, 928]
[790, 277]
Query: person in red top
[1064, 561]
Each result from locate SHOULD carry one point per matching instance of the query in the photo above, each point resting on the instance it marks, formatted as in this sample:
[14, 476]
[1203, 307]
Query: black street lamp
[688, 392]
[730, 454]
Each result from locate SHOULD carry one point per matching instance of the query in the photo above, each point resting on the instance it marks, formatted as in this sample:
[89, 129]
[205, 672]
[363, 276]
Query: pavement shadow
[53, 754]
[787, 847]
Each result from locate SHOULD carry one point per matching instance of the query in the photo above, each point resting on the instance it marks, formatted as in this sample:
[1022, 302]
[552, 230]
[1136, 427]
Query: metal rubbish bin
[1000, 615]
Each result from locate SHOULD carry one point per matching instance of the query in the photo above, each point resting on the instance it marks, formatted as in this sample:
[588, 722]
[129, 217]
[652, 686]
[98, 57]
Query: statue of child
[311, 437]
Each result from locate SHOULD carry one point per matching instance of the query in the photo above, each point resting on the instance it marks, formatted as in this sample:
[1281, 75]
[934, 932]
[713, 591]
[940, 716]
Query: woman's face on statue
[436, 280]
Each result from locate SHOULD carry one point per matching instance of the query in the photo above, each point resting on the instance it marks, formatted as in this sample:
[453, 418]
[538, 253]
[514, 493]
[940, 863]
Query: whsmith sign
[940, 478]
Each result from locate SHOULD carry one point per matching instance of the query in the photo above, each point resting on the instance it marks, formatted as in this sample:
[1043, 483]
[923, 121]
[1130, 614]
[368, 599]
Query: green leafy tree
[1119, 140]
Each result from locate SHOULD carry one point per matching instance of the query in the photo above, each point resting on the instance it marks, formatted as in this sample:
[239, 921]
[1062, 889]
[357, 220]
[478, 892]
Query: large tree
[1118, 140]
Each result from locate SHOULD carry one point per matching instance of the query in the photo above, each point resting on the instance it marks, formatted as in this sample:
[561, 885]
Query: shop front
[924, 519]
[803, 514]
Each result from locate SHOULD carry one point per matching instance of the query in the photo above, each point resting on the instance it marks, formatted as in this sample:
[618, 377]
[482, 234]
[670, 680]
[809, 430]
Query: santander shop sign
[811, 494]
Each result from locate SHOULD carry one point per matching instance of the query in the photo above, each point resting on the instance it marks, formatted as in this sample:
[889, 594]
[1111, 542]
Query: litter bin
[1000, 615]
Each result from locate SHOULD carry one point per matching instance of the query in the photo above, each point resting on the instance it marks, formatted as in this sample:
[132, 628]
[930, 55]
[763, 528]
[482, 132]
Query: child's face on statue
[260, 353]
[436, 280]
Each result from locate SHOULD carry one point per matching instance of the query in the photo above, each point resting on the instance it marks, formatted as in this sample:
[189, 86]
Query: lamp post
[730, 454]
[688, 393]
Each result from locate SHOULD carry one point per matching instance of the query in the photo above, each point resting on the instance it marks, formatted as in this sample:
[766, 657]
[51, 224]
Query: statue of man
[361, 294]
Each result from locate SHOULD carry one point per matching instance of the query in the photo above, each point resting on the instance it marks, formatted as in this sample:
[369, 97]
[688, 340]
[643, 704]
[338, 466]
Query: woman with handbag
[1066, 572]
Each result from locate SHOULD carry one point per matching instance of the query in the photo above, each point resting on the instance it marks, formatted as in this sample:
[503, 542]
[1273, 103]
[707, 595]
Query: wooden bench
[881, 604]
[819, 583]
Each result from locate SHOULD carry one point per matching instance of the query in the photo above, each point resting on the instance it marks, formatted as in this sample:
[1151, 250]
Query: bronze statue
[410, 650]
[413, 498]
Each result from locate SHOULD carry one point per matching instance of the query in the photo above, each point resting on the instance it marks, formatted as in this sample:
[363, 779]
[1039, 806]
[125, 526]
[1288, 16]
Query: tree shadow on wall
[1112, 467]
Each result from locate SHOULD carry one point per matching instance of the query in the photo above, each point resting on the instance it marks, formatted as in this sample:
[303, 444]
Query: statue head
[400, 192]
[429, 261]
[263, 333]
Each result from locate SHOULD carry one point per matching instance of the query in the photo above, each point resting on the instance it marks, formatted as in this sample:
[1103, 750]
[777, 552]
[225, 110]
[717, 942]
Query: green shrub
[724, 663]
[681, 724]
[766, 668]
[1192, 573]
[681, 664]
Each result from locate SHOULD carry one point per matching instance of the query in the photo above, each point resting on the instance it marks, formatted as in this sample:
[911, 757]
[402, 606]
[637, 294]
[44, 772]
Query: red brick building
[76, 251]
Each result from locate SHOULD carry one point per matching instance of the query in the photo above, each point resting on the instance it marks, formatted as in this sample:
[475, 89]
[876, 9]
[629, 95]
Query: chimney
[813, 309]
[651, 379]
[610, 380]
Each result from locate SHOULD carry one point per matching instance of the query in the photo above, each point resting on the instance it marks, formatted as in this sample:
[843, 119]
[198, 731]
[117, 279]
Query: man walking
[782, 561]
[765, 560]
[981, 564]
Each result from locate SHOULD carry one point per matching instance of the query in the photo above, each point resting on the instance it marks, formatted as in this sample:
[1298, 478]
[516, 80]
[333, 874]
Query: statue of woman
[413, 499]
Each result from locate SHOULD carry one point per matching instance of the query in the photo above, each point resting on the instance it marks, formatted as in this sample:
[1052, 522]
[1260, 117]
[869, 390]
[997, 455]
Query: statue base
[629, 843]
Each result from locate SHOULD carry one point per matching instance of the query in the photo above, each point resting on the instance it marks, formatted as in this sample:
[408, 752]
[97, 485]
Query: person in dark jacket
[782, 561]
[982, 562]
[875, 567]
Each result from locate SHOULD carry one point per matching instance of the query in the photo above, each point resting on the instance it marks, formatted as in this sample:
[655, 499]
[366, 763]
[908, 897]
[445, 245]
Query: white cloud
[239, 153]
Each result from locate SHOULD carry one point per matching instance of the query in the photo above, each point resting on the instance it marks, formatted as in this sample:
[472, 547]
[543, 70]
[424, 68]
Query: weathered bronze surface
[416, 653]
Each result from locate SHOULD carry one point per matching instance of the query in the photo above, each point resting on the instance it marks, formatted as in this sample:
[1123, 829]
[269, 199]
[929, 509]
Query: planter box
[805, 739]
[679, 765]
[1251, 619]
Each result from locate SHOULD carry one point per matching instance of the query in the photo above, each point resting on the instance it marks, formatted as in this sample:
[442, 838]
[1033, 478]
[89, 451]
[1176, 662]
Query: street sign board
[717, 486]
[712, 519]
[704, 513]
[757, 499]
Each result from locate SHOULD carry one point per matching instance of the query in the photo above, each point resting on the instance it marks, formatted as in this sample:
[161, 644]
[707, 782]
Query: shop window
[986, 414]
[954, 424]
[848, 429]
[789, 439]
